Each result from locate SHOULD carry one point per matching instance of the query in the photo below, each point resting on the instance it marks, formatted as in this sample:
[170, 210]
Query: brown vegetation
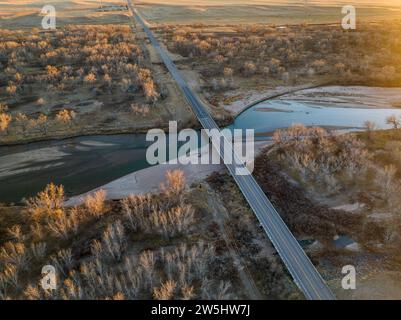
[251, 243]
[44, 76]
[263, 55]
[144, 247]
[332, 161]
[360, 168]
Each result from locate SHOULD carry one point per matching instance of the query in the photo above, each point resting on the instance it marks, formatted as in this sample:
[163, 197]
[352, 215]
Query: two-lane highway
[297, 262]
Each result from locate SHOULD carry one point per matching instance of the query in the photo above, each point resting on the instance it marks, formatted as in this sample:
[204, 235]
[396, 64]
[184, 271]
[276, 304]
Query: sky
[218, 2]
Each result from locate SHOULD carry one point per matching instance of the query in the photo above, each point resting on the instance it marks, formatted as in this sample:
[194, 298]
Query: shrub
[48, 201]
[113, 241]
[38, 250]
[14, 254]
[249, 68]
[175, 184]
[95, 203]
[321, 156]
[394, 121]
[165, 291]
[16, 233]
[142, 215]
[5, 120]
[65, 116]
[63, 222]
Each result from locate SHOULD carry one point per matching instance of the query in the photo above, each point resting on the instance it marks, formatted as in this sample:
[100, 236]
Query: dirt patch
[252, 244]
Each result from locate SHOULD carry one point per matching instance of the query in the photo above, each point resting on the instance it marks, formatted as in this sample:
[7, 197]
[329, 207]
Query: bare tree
[228, 72]
[166, 291]
[66, 116]
[15, 254]
[385, 179]
[47, 201]
[187, 292]
[18, 77]
[16, 233]
[147, 262]
[23, 121]
[95, 203]
[41, 121]
[394, 121]
[40, 102]
[38, 250]
[114, 240]
[175, 184]
[5, 120]
[3, 108]
[370, 127]
[150, 90]
[52, 72]
[11, 89]
[249, 68]
[90, 78]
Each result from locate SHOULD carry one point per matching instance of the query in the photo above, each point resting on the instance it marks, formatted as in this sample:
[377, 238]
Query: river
[268, 116]
[83, 163]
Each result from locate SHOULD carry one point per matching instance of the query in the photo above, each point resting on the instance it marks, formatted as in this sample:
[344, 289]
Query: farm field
[258, 11]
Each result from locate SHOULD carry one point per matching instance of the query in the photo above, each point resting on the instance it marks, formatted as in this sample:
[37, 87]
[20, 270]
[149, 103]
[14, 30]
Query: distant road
[297, 262]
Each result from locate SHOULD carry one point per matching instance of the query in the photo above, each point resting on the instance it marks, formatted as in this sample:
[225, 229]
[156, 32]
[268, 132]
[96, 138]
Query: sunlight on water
[271, 115]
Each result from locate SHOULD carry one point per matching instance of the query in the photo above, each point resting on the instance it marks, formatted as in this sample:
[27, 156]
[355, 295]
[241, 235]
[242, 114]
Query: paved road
[297, 262]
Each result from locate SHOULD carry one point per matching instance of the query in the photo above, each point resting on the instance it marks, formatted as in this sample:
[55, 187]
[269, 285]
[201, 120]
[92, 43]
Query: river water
[275, 114]
[80, 164]
[83, 163]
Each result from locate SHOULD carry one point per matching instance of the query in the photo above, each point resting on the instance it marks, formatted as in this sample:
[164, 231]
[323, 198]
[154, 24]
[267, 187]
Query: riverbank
[330, 96]
[149, 179]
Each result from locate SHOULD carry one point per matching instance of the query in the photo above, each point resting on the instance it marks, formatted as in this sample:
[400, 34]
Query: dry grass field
[17, 14]
[24, 13]
[261, 11]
